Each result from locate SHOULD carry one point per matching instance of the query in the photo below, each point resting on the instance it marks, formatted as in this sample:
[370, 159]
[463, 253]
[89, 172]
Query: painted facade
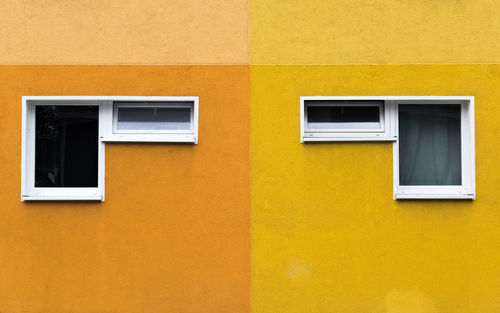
[250, 219]
[327, 235]
[173, 232]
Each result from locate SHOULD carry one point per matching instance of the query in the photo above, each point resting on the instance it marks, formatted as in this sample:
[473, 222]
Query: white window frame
[467, 190]
[384, 133]
[180, 136]
[105, 103]
[28, 190]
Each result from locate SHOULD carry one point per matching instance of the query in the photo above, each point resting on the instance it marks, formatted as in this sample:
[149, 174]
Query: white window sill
[435, 196]
[62, 198]
[175, 138]
[351, 138]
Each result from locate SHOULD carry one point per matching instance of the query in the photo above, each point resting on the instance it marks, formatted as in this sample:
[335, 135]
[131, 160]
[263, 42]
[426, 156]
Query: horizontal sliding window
[171, 119]
[334, 115]
[332, 119]
[152, 118]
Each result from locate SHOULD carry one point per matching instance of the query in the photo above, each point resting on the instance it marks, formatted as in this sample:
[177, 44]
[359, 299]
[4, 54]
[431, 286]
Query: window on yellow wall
[333, 119]
[434, 151]
[63, 138]
[433, 138]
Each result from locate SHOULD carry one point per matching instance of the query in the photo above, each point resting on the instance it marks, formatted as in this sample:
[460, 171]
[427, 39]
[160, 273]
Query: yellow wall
[174, 232]
[124, 32]
[374, 31]
[327, 235]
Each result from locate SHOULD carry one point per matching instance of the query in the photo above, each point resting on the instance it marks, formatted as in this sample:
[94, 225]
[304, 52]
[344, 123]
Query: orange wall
[124, 32]
[173, 234]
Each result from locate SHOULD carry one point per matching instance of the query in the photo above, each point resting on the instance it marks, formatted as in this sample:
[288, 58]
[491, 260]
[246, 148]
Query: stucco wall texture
[374, 32]
[250, 219]
[124, 32]
[173, 234]
[327, 235]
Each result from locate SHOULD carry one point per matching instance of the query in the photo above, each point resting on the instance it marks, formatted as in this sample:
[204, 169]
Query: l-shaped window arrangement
[433, 150]
[63, 138]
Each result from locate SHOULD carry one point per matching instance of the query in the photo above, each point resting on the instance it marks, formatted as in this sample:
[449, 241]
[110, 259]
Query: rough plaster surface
[174, 232]
[124, 32]
[327, 235]
[381, 31]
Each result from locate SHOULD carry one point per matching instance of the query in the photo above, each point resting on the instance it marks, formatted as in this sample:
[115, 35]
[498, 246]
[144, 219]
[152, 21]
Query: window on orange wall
[66, 146]
[64, 137]
[63, 156]
[175, 120]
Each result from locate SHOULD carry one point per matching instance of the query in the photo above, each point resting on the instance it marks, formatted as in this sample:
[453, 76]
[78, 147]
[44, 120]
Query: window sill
[435, 196]
[62, 198]
[347, 138]
[175, 138]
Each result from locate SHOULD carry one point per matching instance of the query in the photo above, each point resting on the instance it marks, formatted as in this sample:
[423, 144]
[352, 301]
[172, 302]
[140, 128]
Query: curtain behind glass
[429, 144]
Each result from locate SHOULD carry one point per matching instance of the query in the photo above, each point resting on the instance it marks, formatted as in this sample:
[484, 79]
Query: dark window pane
[66, 146]
[153, 118]
[343, 114]
[429, 145]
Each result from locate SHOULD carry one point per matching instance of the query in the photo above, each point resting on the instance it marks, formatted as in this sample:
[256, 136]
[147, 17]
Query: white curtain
[429, 144]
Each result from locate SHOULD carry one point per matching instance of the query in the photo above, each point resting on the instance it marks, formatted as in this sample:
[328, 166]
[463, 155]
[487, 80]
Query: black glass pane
[66, 147]
[161, 118]
[147, 115]
[429, 145]
[343, 114]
